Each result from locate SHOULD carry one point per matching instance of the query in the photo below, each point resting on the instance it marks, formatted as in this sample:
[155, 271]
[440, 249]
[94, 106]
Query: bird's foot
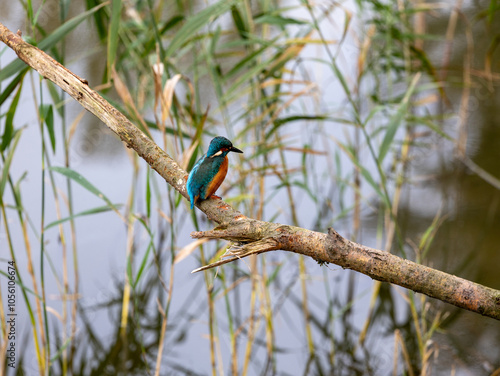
[216, 197]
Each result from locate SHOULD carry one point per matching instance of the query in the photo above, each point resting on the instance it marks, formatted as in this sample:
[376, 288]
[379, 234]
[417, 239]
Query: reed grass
[260, 73]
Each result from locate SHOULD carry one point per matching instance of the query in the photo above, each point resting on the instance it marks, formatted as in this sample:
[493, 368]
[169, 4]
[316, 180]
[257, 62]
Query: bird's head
[220, 146]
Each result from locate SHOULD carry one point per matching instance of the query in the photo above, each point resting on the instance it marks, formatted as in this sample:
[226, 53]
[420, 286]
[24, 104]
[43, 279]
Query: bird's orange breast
[218, 179]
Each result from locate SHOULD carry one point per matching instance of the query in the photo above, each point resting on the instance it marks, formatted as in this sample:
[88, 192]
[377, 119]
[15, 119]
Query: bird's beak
[232, 148]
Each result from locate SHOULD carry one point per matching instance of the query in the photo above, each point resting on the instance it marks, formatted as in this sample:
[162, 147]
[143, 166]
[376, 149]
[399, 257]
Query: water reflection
[467, 241]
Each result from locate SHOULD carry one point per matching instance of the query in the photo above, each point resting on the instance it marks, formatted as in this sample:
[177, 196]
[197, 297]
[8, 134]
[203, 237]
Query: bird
[210, 171]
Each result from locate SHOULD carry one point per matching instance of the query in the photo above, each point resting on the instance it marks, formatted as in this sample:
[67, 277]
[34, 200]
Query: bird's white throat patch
[217, 154]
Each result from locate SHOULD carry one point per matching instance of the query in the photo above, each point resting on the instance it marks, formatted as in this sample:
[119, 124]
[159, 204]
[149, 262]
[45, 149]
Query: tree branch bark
[251, 236]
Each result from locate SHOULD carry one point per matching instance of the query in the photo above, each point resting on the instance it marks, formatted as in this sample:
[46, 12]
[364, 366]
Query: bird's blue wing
[201, 176]
[192, 185]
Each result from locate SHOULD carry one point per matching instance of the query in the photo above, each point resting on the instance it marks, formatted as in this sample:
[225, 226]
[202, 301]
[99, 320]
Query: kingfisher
[210, 171]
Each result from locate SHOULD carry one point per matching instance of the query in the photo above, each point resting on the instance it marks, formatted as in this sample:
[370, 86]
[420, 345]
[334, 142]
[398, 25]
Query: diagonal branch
[252, 236]
[380, 265]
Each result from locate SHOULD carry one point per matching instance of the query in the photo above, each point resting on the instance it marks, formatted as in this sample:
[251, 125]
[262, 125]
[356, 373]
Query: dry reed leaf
[307, 40]
[167, 95]
[307, 151]
[55, 313]
[279, 81]
[126, 97]
[188, 153]
[74, 124]
[364, 50]
[158, 69]
[165, 216]
[122, 89]
[431, 98]
[188, 249]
